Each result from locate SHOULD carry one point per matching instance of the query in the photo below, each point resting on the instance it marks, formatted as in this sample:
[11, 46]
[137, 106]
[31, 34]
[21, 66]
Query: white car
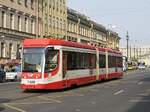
[14, 75]
[141, 67]
[11, 76]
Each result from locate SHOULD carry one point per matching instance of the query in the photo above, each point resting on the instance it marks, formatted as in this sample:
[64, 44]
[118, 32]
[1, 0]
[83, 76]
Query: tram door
[64, 65]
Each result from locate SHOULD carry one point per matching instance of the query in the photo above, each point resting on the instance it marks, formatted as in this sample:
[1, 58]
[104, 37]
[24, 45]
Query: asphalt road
[129, 94]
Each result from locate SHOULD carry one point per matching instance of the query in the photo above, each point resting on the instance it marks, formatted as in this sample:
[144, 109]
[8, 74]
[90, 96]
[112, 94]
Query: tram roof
[113, 51]
[43, 42]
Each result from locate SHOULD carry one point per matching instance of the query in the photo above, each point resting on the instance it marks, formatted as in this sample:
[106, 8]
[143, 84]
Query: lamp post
[107, 38]
[127, 38]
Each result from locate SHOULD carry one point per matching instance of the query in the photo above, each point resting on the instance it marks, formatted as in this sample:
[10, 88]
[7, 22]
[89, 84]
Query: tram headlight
[49, 75]
[24, 76]
[36, 77]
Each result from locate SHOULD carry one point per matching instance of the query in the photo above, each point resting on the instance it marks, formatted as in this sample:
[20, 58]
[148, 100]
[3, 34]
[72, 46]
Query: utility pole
[127, 38]
[134, 53]
[130, 52]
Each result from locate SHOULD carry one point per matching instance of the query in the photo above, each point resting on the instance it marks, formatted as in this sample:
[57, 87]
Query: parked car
[141, 66]
[14, 74]
[2, 75]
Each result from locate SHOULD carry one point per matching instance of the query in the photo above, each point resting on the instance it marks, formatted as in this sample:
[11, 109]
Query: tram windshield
[33, 59]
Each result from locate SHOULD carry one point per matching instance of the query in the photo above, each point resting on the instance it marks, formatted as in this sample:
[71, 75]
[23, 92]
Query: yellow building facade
[54, 18]
[82, 29]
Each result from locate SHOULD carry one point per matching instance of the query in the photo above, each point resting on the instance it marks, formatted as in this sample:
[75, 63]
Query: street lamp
[127, 38]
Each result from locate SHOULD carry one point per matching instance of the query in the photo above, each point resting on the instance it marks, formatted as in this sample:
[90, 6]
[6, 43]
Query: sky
[120, 16]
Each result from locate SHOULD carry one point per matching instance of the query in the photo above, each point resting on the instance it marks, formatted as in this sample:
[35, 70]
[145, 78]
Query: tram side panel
[102, 66]
[114, 66]
[81, 68]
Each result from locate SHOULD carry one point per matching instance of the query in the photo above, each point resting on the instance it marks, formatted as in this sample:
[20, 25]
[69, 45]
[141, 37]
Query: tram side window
[119, 62]
[102, 61]
[77, 60]
[92, 61]
[71, 60]
[111, 61]
[83, 60]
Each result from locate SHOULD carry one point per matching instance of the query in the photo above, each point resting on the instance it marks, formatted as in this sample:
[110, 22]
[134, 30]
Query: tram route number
[31, 81]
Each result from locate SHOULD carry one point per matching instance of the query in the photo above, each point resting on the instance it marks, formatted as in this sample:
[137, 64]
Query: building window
[32, 4]
[26, 3]
[26, 25]
[32, 27]
[11, 21]
[10, 50]
[18, 52]
[19, 1]
[2, 50]
[53, 21]
[50, 21]
[3, 19]
[19, 23]
[57, 23]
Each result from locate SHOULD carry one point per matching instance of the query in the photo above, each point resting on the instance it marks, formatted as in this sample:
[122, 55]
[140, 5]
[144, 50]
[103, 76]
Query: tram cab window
[51, 60]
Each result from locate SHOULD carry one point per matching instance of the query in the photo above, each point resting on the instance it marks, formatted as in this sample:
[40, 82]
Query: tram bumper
[26, 84]
[37, 86]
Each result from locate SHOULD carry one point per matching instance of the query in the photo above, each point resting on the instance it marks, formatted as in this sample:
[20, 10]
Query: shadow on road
[142, 105]
[2, 108]
[3, 100]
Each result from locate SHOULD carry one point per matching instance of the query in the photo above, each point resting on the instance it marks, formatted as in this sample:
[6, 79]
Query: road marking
[29, 103]
[74, 93]
[93, 102]
[6, 83]
[119, 92]
[78, 110]
[138, 101]
[139, 83]
[144, 94]
[49, 99]
[13, 107]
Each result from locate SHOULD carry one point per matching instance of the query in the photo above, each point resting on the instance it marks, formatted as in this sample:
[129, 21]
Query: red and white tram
[58, 64]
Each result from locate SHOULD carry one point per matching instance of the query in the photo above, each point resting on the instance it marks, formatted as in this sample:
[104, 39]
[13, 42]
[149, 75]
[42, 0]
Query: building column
[78, 29]
[0, 18]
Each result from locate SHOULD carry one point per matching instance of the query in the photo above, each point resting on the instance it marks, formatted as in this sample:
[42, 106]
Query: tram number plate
[31, 81]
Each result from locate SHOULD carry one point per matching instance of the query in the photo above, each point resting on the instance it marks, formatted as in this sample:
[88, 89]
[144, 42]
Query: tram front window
[33, 60]
[51, 61]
